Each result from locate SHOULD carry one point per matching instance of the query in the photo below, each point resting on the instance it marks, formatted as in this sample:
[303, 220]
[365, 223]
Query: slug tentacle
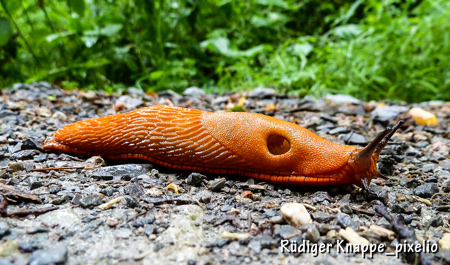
[364, 161]
[246, 144]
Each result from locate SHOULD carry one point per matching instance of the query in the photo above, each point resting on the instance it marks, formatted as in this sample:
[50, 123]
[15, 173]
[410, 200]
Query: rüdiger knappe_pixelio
[366, 251]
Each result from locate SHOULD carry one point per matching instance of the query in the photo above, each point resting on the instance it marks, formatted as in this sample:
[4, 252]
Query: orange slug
[245, 144]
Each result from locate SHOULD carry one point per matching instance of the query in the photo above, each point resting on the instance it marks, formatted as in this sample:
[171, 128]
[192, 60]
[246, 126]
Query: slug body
[246, 144]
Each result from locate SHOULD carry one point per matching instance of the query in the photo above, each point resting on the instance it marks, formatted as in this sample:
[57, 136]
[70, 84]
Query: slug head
[364, 161]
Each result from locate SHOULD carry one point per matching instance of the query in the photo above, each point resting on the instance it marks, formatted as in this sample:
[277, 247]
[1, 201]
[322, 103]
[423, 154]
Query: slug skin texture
[233, 143]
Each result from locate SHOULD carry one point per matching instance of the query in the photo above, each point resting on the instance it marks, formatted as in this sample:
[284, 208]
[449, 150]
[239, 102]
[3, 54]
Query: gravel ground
[58, 216]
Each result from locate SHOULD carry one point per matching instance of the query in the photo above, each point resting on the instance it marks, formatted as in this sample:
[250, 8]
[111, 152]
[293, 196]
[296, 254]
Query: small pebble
[195, 179]
[261, 92]
[444, 242]
[29, 247]
[426, 190]
[91, 200]
[312, 234]
[220, 242]
[287, 231]
[345, 221]
[49, 256]
[14, 166]
[194, 92]
[295, 214]
[217, 185]
[322, 217]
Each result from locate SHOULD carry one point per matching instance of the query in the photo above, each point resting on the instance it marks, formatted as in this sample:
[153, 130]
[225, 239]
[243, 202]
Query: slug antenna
[375, 147]
[363, 159]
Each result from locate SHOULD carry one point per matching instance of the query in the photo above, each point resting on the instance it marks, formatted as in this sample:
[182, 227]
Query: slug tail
[365, 160]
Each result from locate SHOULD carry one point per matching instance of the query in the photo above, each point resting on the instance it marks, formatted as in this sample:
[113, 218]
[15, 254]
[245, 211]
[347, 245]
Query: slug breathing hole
[278, 145]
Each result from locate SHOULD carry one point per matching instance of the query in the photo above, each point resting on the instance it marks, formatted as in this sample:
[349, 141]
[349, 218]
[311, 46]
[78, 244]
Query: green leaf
[109, 30]
[56, 36]
[268, 20]
[304, 48]
[279, 3]
[347, 31]
[78, 6]
[89, 41]
[222, 45]
[5, 31]
[156, 75]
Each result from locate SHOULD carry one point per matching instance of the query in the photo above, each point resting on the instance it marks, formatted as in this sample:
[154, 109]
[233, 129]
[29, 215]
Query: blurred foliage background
[388, 49]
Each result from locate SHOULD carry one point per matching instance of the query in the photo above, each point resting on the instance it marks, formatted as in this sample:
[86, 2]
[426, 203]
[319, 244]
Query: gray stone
[193, 92]
[135, 91]
[443, 174]
[220, 100]
[261, 92]
[122, 233]
[37, 229]
[446, 185]
[6, 113]
[352, 138]
[380, 193]
[149, 229]
[345, 208]
[34, 183]
[445, 255]
[426, 190]
[29, 247]
[343, 99]
[322, 217]
[195, 179]
[16, 148]
[345, 221]
[150, 218]
[185, 228]
[287, 231]
[226, 207]
[76, 199]
[260, 242]
[445, 164]
[131, 202]
[4, 231]
[134, 189]
[220, 242]
[384, 223]
[24, 154]
[338, 130]
[422, 144]
[40, 158]
[49, 256]
[217, 184]
[411, 151]
[91, 200]
[28, 166]
[129, 102]
[31, 144]
[312, 234]
[108, 191]
[117, 172]
[170, 93]
[387, 114]
[428, 168]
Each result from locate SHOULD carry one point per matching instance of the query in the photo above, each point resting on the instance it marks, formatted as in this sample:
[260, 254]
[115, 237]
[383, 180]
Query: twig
[56, 168]
[25, 212]
[404, 232]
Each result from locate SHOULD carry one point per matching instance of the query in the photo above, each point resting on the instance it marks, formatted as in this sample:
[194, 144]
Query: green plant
[393, 49]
